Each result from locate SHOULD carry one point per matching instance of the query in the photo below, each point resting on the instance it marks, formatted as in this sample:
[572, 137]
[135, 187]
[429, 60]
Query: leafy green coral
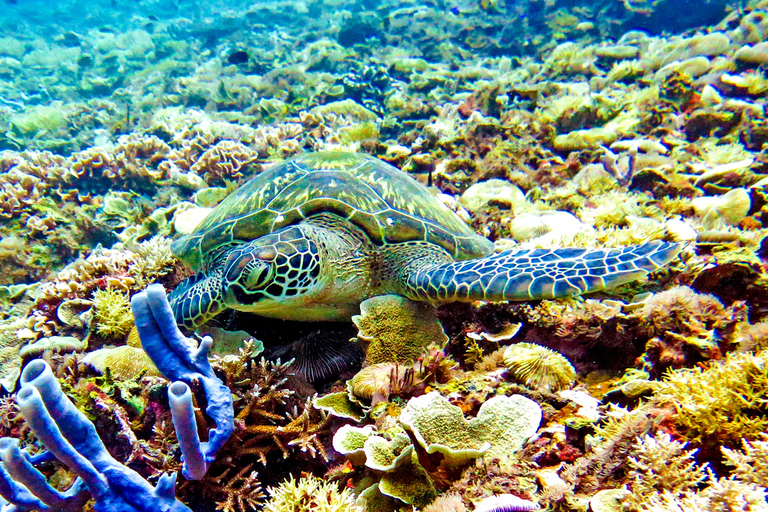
[502, 425]
[396, 329]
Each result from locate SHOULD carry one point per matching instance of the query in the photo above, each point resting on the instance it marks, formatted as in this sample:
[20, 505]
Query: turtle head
[270, 270]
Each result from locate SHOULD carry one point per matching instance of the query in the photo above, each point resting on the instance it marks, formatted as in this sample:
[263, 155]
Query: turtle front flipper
[199, 298]
[528, 274]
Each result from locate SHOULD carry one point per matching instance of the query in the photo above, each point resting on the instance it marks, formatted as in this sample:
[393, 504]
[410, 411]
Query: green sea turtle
[312, 237]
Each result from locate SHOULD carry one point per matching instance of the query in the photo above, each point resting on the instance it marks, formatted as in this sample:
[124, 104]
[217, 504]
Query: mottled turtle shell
[386, 203]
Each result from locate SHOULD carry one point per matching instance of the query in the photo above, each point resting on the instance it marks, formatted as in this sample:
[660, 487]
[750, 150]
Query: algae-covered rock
[396, 329]
[479, 195]
[348, 109]
[501, 427]
[124, 362]
[757, 54]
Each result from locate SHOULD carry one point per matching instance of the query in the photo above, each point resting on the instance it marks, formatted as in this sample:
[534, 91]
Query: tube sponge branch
[178, 360]
[72, 439]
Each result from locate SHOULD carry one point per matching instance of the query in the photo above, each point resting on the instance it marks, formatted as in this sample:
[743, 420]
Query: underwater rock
[548, 224]
[185, 221]
[494, 191]
[757, 54]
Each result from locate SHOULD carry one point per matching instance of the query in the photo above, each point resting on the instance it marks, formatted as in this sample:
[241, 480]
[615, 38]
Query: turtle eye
[259, 274]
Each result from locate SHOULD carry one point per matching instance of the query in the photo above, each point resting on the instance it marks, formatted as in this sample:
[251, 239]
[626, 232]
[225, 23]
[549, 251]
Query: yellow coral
[659, 464]
[309, 493]
[721, 401]
[112, 313]
[539, 367]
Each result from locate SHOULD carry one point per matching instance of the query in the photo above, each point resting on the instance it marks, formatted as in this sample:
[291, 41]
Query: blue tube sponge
[178, 360]
[72, 439]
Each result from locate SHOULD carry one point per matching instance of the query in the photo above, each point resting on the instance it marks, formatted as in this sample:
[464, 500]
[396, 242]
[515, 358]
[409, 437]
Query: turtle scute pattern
[387, 204]
[539, 273]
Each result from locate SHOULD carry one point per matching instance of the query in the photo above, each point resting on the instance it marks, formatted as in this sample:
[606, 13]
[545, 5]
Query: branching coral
[112, 313]
[310, 493]
[723, 402]
[750, 464]
[660, 464]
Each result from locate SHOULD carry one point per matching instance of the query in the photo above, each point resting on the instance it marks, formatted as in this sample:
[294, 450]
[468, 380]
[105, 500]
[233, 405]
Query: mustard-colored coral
[396, 329]
[112, 313]
[724, 401]
[539, 367]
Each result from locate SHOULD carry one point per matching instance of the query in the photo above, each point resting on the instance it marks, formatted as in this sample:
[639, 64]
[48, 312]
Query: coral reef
[542, 124]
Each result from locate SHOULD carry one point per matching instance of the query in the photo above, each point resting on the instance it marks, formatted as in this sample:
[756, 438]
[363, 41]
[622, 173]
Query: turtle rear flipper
[527, 274]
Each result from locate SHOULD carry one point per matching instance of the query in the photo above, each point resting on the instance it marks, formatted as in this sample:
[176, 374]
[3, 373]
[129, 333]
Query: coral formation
[309, 493]
[396, 330]
[541, 124]
[539, 367]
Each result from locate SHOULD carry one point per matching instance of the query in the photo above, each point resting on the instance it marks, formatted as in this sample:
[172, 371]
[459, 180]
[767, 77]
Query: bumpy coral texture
[309, 493]
[717, 402]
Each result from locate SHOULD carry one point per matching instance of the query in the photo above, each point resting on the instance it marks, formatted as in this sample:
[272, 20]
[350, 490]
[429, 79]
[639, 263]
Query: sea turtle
[313, 236]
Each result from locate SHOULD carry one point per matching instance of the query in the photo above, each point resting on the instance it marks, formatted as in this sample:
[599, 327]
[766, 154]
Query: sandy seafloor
[542, 123]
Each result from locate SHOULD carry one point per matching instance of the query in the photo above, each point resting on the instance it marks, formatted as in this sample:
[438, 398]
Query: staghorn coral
[309, 493]
[722, 402]
[750, 463]
[660, 464]
[539, 367]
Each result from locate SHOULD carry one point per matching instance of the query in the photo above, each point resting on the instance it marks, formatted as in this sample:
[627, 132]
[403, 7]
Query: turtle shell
[386, 203]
